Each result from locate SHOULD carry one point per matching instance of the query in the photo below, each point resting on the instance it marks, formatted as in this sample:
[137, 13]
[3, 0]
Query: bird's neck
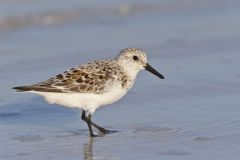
[130, 71]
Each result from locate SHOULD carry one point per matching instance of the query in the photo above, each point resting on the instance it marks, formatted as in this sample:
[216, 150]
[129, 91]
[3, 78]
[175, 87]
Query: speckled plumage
[96, 77]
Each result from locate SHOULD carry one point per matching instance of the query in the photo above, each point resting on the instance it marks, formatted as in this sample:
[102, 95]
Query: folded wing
[96, 77]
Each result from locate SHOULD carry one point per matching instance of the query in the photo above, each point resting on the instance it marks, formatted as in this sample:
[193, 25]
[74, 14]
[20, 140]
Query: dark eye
[135, 58]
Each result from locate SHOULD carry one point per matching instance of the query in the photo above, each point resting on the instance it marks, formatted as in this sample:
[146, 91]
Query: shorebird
[94, 84]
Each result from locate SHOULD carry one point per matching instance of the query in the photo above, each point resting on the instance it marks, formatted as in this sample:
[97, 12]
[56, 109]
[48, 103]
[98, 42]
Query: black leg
[84, 118]
[101, 129]
[89, 126]
[88, 121]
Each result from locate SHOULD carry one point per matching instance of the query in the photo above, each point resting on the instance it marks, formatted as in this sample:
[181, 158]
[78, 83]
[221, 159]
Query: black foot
[94, 135]
[105, 131]
[110, 132]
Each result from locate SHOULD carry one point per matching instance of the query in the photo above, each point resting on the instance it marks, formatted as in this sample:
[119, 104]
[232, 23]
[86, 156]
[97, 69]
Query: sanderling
[94, 84]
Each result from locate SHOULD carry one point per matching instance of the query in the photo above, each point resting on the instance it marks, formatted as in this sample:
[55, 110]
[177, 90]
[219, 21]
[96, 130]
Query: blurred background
[193, 113]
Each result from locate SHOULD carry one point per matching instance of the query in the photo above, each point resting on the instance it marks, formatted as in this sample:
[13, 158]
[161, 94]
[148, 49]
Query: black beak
[149, 68]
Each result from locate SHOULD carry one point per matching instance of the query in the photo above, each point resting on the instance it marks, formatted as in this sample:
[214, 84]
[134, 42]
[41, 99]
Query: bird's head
[133, 60]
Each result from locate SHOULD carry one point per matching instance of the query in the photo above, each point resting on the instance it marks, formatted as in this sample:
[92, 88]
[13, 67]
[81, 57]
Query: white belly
[87, 101]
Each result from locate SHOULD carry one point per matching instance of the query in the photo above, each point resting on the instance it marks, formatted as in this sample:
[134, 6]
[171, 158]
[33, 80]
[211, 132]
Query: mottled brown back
[96, 77]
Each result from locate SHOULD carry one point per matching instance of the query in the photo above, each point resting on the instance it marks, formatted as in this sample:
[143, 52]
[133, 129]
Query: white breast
[87, 101]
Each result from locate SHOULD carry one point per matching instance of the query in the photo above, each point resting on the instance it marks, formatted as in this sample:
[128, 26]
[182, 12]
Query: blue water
[192, 114]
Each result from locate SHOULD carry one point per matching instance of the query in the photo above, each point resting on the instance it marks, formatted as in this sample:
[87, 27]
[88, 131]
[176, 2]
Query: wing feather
[95, 77]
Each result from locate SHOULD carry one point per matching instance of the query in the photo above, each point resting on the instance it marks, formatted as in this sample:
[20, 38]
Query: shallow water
[192, 114]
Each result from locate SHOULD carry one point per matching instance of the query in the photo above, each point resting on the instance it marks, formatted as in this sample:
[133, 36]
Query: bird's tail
[22, 88]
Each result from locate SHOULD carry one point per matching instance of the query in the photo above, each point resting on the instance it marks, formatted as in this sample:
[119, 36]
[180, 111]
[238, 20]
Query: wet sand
[192, 114]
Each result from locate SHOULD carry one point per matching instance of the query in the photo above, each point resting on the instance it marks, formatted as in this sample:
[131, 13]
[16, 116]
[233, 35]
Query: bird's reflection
[88, 152]
[87, 149]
